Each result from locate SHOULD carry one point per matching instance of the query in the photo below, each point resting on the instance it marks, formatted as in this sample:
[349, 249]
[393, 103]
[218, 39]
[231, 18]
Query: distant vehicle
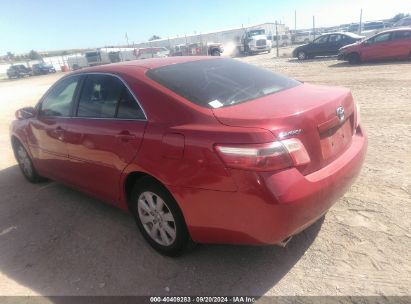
[151, 52]
[368, 28]
[403, 22]
[100, 56]
[18, 71]
[391, 44]
[43, 69]
[283, 40]
[97, 57]
[254, 41]
[303, 37]
[325, 45]
[198, 49]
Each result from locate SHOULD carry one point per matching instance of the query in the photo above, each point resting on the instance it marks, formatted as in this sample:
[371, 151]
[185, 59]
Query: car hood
[351, 45]
[300, 47]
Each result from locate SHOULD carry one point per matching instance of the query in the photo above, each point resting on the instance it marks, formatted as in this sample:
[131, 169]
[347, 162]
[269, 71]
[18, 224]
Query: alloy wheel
[24, 161]
[156, 218]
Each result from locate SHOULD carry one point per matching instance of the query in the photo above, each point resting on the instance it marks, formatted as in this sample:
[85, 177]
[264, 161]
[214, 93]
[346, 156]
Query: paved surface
[57, 241]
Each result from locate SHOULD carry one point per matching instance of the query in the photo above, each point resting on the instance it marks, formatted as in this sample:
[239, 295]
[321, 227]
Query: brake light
[264, 157]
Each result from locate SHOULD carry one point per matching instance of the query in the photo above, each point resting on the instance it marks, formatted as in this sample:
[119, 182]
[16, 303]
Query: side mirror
[25, 113]
[365, 43]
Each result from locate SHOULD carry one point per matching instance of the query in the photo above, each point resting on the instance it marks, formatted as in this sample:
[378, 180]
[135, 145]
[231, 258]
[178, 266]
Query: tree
[154, 37]
[33, 55]
[398, 17]
[10, 56]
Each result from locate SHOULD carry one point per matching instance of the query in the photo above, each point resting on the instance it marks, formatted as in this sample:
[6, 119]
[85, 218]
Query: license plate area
[336, 140]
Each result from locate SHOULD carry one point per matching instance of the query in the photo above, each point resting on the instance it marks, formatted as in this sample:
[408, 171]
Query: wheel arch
[133, 177]
[16, 140]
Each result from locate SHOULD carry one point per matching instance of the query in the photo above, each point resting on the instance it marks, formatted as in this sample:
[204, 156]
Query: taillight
[264, 157]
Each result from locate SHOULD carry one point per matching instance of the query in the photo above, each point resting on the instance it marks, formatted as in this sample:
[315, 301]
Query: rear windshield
[218, 83]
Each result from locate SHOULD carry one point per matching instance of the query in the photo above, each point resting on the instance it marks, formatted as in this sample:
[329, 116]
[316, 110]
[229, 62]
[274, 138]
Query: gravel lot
[57, 241]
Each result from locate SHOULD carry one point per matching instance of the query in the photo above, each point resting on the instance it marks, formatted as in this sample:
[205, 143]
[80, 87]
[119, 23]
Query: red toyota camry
[198, 149]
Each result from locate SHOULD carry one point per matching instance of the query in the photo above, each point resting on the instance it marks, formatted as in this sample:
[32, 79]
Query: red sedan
[198, 149]
[391, 44]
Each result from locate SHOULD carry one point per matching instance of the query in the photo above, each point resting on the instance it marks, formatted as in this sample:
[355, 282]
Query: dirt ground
[57, 241]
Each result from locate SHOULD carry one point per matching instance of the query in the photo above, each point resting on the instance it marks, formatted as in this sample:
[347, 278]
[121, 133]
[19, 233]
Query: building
[232, 35]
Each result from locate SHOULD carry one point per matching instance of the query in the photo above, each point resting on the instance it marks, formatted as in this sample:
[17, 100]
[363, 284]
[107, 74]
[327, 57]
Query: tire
[159, 218]
[215, 53]
[26, 164]
[301, 55]
[354, 58]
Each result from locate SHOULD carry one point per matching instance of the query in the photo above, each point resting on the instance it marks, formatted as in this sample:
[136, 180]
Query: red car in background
[203, 149]
[391, 44]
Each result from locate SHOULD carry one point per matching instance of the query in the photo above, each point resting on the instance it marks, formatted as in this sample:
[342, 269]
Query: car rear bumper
[268, 207]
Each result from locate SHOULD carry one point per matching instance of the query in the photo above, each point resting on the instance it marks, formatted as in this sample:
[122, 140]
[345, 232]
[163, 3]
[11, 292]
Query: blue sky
[54, 25]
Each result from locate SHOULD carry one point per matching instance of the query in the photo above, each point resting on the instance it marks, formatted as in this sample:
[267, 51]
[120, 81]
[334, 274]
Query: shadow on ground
[345, 64]
[57, 241]
[316, 59]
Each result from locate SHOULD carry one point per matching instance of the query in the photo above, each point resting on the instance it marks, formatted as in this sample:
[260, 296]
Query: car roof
[395, 30]
[344, 33]
[147, 64]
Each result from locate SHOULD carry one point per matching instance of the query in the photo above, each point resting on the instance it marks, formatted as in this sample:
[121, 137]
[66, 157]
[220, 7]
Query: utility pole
[360, 26]
[295, 20]
[276, 39]
[314, 26]
[127, 39]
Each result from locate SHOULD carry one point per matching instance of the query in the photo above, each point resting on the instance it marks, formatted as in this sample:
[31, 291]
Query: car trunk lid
[307, 112]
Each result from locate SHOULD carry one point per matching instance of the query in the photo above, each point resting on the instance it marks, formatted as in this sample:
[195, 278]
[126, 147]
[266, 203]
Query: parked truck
[254, 41]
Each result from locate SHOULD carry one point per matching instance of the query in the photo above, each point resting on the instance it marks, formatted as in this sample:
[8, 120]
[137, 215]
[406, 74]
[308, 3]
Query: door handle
[125, 136]
[60, 133]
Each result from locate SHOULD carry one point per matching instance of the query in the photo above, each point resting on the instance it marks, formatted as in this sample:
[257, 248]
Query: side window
[335, 38]
[382, 38]
[128, 107]
[59, 101]
[322, 39]
[99, 96]
[105, 96]
[402, 35]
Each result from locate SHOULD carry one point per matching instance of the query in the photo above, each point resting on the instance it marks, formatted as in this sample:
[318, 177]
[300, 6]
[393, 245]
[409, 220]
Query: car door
[401, 44]
[104, 135]
[47, 132]
[335, 42]
[319, 46]
[378, 47]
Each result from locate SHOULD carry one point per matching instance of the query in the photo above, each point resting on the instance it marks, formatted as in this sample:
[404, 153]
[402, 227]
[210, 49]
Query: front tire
[159, 218]
[215, 53]
[26, 164]
[301, 55]
[354, 58]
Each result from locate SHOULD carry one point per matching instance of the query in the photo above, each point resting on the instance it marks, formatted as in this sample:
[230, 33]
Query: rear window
[218, 83]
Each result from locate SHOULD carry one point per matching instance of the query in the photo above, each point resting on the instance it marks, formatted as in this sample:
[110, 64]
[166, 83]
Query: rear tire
[354, 58]
[159, 218]
[26, 164]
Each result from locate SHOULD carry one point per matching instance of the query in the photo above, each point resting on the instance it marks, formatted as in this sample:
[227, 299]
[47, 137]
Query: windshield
[218, 83]
[256, 32]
